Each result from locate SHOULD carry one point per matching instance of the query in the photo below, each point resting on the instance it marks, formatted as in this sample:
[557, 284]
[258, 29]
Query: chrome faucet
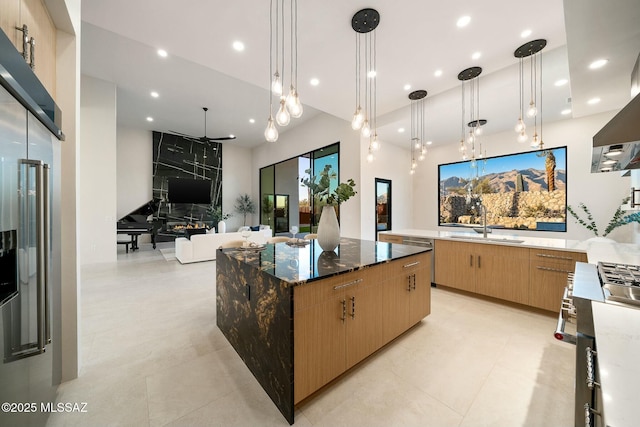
[483, 211]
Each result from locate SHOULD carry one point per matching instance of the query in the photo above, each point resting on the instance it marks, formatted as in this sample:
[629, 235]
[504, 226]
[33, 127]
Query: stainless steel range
[620, 282]
[605, 282]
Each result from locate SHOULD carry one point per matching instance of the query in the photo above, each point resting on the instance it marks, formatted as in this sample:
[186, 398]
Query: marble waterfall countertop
[597, 249]
[301, 264]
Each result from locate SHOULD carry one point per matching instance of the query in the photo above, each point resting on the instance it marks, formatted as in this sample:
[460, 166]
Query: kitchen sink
[487, 239]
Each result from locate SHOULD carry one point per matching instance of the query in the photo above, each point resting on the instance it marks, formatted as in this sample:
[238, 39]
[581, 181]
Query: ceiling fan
[204, 139]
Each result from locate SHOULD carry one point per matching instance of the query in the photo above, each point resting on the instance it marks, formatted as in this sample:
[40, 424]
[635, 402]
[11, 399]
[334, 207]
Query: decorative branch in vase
[618, 219]
[328, 227]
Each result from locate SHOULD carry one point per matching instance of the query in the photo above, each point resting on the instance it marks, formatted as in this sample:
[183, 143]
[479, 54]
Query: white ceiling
[414, 38]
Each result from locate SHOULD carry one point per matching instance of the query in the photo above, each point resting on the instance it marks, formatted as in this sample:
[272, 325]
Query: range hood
[617, 145]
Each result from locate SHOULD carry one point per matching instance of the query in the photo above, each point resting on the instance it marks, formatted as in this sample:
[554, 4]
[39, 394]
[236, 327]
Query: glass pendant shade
[535, 142]
[293, 103]
[282, 116]
[276, 84]
[532, 111]
[520, 126]
[522, 137]
[470, 138]
[366, 130]
[358, 118]
[370, 157]
[375, 145]
[417, 144]
[271, 132]
[477, 130]
[421, 157]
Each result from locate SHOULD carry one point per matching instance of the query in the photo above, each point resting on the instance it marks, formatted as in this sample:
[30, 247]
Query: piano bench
[126, 244]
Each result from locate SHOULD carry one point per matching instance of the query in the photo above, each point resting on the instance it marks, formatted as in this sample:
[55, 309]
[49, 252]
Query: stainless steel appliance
[29, 246]
[603, 283]
[424, 242]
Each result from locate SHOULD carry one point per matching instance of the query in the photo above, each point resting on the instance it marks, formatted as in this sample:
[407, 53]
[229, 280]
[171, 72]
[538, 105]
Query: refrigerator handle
[40, 254]
[46, 221]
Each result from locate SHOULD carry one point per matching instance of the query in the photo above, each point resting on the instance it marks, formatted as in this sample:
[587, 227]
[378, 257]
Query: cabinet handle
[411, 264]
[478, 261]
[409, 283]
[588, 410]
[554, 256]
[345, 285]
[557, 270]
[470, 260]
[353, 308]
[344, 310]
[591, 382]
[414, 281]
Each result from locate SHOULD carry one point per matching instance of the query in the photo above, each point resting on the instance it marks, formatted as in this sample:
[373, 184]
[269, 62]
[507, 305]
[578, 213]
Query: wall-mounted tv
[522, 191]
[184, 190]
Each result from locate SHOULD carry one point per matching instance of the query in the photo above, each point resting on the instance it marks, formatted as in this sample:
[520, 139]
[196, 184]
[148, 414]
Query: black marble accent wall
[255, 313]
[178, 157]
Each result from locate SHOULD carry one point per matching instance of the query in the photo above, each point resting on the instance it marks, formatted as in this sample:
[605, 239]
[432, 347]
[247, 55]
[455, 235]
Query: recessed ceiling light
[463, 21]
[155, 94]
[599, 63]
[163, 53]
[407, 86]
[476, 55]
[252, 121]
[565, 111]
[231, 135]
[593, 101]
[314, 82]
[525, 33]
[238, 45]
[437, 73]
[149, 119]
[561, 82]
[400, 130]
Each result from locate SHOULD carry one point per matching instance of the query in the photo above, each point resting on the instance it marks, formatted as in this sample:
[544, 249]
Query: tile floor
[152, 356]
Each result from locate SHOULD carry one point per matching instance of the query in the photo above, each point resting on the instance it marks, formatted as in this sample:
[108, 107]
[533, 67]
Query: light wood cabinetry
[493, 270]
[33, 14]
[548, 276]
[530, 276]
[390, 238]
[341, 320]
[407, 295]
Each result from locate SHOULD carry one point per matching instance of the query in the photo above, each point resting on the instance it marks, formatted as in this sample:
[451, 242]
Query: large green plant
[321, 189]
[618, 219]
[244, 205]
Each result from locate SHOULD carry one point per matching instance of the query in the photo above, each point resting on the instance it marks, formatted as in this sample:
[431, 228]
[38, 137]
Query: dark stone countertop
[298, 265]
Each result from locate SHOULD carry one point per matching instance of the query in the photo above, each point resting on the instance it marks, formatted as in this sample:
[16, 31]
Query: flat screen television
[522, 191]
[185, 190]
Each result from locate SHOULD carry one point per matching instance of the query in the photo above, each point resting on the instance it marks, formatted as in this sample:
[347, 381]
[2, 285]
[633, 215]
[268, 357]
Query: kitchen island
[300, 317]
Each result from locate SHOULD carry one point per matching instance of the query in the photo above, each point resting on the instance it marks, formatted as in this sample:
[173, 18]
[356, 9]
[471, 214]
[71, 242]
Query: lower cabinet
[341, 320]
[548, 273]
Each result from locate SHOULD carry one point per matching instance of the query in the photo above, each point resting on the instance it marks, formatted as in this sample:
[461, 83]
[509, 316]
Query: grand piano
[138, 222]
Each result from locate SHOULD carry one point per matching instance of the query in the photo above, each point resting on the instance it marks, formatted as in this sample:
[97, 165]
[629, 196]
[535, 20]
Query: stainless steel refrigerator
[29, 250]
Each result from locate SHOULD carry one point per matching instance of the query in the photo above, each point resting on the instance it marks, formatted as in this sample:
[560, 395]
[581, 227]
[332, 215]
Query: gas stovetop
[620, 282]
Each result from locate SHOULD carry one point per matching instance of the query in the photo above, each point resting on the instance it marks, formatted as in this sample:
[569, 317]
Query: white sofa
[202, 247]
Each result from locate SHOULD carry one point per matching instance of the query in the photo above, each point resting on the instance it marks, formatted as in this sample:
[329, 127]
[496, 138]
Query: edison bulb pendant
[282, 116]
[358, 118]
[366, 130]
[532, 111]
[271, 132]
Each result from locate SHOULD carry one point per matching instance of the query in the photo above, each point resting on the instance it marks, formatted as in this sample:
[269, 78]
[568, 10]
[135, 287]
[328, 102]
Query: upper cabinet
[32, 13]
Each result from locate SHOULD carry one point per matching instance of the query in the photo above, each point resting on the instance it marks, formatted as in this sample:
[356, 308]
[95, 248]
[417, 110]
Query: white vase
[328, 229]
[222, 227]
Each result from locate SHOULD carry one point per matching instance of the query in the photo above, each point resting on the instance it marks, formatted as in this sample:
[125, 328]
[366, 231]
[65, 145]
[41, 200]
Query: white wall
[97, 171]
[318, 132]
[390, 162]
[236, 180]
[600, 192]
[134, 169]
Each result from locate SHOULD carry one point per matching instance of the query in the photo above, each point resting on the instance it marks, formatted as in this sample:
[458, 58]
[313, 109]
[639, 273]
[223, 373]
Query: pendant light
[530, 50]
[417, 143]
[364, 22]
[289, 105]
[470, 77]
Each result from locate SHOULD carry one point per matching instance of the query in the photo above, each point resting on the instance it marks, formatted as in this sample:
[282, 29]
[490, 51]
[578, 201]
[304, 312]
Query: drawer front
[390, 238]
[408, 265]
[313, 293]
[559, 259]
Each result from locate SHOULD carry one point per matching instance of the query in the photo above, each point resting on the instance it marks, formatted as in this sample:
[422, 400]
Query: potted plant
[328, 227]
[218, 218]
[244, 205]
[616, 221]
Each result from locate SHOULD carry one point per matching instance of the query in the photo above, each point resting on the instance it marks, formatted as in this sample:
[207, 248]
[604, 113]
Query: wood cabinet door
[396, 304]
[456, 264]
[503, 272]
[364, 318]
[420, 299]
[548, 276]
[319, 345]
